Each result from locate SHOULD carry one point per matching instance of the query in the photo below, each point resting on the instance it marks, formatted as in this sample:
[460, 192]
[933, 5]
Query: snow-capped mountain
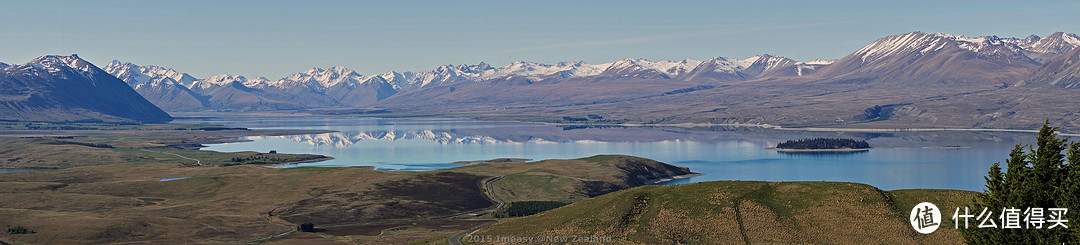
[642, 68]
[314, 78]
[314, 88]
[140, 75]
[538, 71]
[915, 57]
[217, 81]
[68, 88]
[1043, 49]
[723, 69]
[365, 92]
[919, 43]
[923, 58]
[448, 74]
[159, 85]
[1039, 49]
[4, 65]
[342, 87]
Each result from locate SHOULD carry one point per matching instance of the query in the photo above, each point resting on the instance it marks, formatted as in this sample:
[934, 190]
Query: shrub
[18, 230]
[519, 209]
[306, 227]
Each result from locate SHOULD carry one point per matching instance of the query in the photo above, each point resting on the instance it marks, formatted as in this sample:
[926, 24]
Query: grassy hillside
[573, 179]
[121, 198]
[740, 212]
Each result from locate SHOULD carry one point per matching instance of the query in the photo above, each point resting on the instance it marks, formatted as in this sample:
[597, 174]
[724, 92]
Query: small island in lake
[822, 145]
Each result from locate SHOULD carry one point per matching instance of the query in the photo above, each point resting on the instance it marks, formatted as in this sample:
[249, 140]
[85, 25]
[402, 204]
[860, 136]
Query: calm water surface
[901, 160]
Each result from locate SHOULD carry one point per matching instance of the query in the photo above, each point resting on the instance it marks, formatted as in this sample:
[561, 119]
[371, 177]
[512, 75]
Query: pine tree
[1040, 178]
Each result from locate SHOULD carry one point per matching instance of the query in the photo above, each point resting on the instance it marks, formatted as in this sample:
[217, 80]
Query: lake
[900, 160]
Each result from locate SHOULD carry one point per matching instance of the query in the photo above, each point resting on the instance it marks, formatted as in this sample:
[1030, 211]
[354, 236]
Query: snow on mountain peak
[56, 64]
[1056, 43]
[138, 76]
[818, 62]
[726, 65]
[667, 68]
[225, 79]
[535, 70]
[923, 43]
[909, 42]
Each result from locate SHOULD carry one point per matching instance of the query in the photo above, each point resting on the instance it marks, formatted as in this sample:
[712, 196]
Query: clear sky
[277, 38]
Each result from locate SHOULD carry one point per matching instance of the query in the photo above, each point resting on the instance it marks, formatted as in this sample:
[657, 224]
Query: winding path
[456, 238]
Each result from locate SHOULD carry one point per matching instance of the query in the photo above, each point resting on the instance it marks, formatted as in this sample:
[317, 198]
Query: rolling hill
[741, 212]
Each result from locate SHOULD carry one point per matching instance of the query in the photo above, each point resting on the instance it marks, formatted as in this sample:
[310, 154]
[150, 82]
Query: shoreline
[496, 160]
[680, 125]
[673, 178]
[808, 129]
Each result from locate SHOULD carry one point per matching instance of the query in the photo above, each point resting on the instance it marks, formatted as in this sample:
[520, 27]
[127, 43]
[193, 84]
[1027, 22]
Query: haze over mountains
[908, 79]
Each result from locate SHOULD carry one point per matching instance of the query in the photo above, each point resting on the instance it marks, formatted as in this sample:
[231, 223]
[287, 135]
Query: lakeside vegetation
[823, 144]
[274, 158]
[526, 208]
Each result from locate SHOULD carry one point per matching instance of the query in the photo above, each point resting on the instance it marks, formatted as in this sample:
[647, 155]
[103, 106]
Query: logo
[925, 218]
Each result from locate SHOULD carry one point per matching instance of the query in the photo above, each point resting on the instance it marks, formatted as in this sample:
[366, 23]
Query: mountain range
[338, 87]
[914, 78]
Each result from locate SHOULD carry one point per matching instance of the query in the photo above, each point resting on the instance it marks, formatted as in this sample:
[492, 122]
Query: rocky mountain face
[919, 58]
[166, 88]
[70, 89]
[1061, 71]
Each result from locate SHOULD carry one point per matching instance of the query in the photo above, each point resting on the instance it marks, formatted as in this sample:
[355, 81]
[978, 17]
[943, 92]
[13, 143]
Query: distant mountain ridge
[69, 89]
[917, 78]
[342, 87]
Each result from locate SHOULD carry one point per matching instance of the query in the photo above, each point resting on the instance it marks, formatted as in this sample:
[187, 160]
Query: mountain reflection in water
[898, 160]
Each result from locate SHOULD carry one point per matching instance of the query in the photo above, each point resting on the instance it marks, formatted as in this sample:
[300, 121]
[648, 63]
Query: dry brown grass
[123, 200]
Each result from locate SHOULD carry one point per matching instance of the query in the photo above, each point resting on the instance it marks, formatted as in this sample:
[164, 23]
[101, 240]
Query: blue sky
[277, 38]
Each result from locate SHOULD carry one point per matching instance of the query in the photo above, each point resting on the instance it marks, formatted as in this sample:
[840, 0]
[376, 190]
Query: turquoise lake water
[899, 160]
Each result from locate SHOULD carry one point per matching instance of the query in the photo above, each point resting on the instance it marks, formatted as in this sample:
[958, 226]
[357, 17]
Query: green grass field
[740, 212]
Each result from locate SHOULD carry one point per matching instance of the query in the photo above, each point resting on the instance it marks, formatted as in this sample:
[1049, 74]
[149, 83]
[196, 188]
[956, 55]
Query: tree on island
[1038, 178]
[823, 143]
